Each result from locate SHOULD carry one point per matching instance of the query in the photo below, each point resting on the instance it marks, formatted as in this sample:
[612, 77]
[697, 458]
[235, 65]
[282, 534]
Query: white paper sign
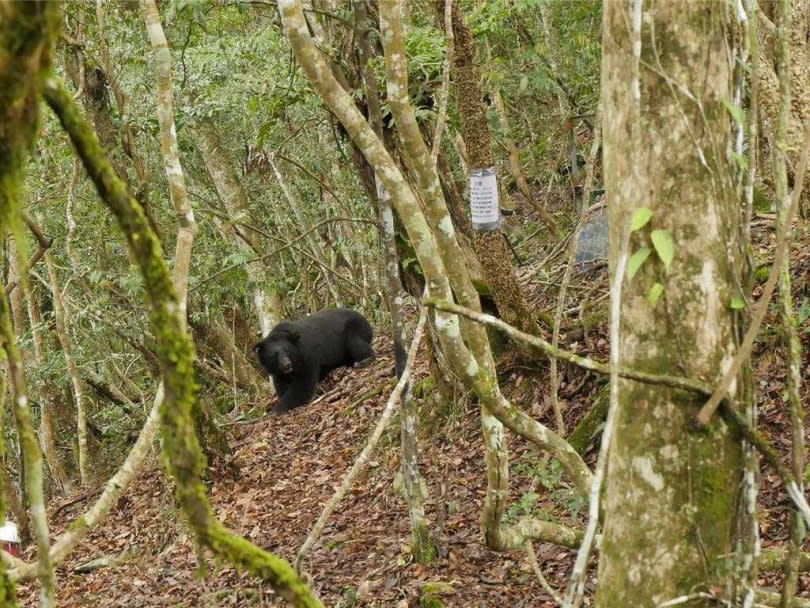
[484, 207]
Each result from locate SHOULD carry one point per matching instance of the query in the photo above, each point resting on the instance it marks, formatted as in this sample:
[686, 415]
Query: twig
[365, 455]
[761, 309]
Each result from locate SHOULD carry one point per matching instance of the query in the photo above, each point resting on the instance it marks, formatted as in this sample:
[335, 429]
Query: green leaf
[664, 246]
[737, 113]
[637, 259]
[655, 293]
[737, 303]
[640, 218]
[524, 84]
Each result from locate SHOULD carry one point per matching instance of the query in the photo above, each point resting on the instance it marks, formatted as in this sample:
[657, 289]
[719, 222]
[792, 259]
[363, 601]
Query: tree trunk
[60, 314]
[671, 493]
[233, 197]
[490, 246]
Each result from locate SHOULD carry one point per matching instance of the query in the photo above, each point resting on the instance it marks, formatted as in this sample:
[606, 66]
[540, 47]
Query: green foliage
[548, 475]
[655, 293]
[640, 218]
[636, 260]
[737, 303]
[664, 246]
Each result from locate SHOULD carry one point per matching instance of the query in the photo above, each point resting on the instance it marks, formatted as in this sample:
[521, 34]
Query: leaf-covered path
[289, 467]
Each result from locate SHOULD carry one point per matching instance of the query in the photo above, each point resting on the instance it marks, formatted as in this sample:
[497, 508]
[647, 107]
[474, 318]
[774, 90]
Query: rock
[593, 237]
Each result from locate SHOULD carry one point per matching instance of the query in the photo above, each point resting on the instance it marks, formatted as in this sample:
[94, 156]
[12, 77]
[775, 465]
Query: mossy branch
[176, 359]
[728, 413]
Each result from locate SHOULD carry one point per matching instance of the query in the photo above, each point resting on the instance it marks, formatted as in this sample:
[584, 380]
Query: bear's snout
[286, 365]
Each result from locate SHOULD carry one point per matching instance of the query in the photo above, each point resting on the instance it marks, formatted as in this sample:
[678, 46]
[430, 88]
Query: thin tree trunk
[61, 316]
[47, 439]
[265, 300]
[423, 548]
[671, 495]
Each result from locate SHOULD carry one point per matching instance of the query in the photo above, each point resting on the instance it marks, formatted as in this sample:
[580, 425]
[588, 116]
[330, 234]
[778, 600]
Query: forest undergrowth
[288, 466]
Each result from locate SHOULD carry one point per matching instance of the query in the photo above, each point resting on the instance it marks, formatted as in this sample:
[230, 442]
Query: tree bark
[490, 246]
[671, 495]
[60, 314]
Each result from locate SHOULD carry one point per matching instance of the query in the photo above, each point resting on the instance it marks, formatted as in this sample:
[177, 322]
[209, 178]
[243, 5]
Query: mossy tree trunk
[490, 246]
[27, 31]
[672, 494]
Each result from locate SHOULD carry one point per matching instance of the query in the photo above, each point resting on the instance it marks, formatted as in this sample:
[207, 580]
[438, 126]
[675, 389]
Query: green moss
[482, 287]
[762, 273]
[431, 592]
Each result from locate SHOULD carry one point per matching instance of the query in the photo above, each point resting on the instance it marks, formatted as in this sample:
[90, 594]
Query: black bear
[297, 354]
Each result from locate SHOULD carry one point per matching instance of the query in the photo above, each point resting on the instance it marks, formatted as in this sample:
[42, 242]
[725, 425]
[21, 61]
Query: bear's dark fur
[297, 354]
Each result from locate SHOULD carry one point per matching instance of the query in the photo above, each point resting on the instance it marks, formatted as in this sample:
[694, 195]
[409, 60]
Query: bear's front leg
[299, 391]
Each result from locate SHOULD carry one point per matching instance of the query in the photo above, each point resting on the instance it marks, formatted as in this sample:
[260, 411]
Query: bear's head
[279, 353]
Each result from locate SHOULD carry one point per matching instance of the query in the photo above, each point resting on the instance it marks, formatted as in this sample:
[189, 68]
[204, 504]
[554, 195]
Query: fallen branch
[685, 384]
[365, 455]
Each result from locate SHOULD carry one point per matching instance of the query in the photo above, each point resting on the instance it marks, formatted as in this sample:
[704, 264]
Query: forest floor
[289, 466]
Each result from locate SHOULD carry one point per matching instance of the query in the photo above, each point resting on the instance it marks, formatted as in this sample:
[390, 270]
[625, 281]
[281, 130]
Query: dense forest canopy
[404, 303]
